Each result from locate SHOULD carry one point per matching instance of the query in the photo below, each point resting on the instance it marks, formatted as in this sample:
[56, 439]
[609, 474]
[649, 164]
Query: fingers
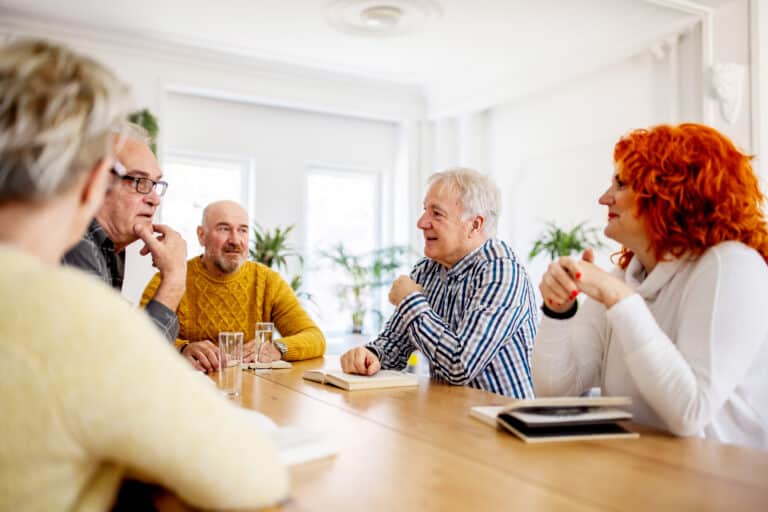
[197, 366]
[557, 285]
[205, 353]
[145, 234]
[589, 255]
[361, 361]
[373, 363]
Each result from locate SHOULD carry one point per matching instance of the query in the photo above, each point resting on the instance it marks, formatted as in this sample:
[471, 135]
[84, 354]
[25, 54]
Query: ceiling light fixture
[381, 18]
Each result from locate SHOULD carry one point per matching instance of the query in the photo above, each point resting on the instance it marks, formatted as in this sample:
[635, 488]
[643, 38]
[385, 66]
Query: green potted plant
[364, 274]
[563, 242]
[148, 121]
[271, 248]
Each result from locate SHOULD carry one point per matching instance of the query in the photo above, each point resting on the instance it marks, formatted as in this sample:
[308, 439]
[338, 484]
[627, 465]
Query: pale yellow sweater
[91, 391]
[254, 293]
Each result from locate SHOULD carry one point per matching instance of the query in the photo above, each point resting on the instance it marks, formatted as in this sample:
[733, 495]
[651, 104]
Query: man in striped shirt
[468, 307]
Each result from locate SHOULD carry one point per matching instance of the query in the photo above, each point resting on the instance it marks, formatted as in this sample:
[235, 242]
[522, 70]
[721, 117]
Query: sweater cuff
[408, 310]
[560, 316]
[632, 322]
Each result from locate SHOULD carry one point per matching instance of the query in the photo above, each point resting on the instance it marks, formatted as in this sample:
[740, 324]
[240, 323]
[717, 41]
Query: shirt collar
[467, 262]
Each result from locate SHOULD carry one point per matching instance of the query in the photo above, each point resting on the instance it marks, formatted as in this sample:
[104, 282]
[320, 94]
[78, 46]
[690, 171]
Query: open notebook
[382, 379]
[559, 418]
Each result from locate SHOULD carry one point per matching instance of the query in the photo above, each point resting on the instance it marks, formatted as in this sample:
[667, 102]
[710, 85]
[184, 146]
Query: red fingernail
[574, 293]
[550, 301]
[578, 275]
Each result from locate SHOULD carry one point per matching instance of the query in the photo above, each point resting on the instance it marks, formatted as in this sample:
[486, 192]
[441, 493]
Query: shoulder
[732, 258]
[497, 255]
[65, 306]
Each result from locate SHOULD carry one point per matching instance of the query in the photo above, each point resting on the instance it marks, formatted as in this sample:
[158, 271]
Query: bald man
[226, 292]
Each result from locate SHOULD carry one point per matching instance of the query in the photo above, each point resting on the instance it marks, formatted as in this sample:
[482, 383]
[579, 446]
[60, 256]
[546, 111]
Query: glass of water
[230, 378]
[263, 339]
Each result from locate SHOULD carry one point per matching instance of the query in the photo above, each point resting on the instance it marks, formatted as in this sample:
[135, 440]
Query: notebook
[382, 379]
[277, 365]
[560, 418]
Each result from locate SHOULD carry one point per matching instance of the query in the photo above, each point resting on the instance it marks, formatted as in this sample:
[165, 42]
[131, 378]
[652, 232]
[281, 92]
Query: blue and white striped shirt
[475, 323]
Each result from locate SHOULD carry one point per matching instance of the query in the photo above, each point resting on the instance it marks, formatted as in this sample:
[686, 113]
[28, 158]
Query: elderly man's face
[447, 238]
[224, 237]
[124, 207]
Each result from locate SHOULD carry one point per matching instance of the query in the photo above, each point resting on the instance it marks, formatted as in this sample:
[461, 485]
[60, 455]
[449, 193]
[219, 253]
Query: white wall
[552, 153]
[157, 71]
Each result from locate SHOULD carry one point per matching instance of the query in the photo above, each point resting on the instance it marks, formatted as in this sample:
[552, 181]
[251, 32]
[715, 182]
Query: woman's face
[623, 226]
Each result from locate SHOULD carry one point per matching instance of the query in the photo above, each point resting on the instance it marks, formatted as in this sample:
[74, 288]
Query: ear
[477, 224]
[200, 233]
[94, 186]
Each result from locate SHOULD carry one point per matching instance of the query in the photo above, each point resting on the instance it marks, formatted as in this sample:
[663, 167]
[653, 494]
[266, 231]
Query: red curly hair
[694, 190]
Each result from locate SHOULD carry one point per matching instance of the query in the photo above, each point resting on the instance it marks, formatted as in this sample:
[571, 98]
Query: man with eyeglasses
[126, 216]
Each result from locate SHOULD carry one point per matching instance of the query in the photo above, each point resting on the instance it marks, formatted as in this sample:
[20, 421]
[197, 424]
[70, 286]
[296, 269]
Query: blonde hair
[57, 112]
[479, 194]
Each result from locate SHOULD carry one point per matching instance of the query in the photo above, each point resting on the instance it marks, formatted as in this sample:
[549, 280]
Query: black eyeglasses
[142, 185]
[145, 185]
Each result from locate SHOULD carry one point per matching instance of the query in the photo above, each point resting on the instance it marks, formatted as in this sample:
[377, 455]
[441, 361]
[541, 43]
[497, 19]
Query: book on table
[351, 382]
[560, 418]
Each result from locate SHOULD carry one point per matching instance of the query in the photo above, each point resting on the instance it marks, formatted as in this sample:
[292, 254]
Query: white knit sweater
[90, 391]
[690, 347]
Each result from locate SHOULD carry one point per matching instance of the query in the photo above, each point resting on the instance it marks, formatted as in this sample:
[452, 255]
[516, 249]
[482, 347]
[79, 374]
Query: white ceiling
[473, 49]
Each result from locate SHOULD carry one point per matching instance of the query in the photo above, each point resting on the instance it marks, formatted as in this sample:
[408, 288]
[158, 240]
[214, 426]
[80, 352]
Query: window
[342, 207]
[193, 183]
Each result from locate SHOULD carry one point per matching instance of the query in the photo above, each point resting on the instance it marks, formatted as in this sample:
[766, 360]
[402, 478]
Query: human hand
[594, 281]
[268, 352]
[360, 360]
[249, 351]
[168, 249]
[401, 288]
[203, 355]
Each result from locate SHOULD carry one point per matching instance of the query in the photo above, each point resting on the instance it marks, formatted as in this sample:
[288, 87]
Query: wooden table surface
[418, 449]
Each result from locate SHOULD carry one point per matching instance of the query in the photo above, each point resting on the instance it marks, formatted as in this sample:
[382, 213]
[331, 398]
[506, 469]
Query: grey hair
[479, 194]
[127, 130]
[57, 112]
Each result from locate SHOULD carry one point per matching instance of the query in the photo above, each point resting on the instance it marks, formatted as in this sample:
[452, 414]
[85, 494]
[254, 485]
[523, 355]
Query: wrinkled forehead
[137, 158]
[226, 213]
[444, 193]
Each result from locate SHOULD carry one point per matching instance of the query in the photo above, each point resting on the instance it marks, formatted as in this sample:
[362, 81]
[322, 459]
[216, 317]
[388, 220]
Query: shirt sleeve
[85, 256]
[166, 320]
[722, 326]
[498, 307]
[393, 345]
[567, 354]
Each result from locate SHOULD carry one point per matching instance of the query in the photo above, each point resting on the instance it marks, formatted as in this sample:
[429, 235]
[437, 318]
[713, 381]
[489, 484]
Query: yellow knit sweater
[254, 293]
[85, 400]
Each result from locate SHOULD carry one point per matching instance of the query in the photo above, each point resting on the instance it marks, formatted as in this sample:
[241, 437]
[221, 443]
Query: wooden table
[418, 449]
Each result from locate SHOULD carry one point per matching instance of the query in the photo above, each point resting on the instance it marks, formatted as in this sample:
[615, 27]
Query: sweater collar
[648, 286]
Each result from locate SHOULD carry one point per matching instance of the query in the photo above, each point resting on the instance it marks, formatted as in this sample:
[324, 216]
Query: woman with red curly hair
[681, 325]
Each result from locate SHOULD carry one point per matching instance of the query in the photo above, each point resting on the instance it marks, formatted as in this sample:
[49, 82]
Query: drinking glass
[263, 339]
[230, 378]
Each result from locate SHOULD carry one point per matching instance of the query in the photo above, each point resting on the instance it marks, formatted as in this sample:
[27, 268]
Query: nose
[607, 198]
[152, 198]
[423, 222]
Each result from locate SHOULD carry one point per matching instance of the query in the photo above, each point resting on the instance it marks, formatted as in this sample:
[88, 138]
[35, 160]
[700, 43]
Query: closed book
[276, 365]
[560, 418]
[350, 382]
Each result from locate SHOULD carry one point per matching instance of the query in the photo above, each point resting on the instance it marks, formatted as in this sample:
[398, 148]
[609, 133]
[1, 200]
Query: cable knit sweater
[254, 293]
[85, 399]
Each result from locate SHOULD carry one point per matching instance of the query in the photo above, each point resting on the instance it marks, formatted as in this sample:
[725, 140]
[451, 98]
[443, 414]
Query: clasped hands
[204, 355]
[567, 277]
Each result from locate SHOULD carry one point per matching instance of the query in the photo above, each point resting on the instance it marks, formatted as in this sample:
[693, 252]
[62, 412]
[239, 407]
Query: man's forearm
[171, 290]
